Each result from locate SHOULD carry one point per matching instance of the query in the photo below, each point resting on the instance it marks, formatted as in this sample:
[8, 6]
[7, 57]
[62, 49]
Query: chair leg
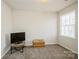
[11, 50]
[22, 49]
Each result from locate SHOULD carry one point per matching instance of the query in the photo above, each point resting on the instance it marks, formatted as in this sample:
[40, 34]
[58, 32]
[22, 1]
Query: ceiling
[39, 5]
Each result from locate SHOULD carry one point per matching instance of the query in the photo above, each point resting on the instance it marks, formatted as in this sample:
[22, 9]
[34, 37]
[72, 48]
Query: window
[67, 24]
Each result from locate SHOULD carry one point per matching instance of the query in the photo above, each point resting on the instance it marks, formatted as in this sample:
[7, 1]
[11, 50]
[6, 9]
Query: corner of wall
[4, 51]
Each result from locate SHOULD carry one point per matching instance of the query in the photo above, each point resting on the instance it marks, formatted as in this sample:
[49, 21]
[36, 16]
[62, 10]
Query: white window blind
[67, 24]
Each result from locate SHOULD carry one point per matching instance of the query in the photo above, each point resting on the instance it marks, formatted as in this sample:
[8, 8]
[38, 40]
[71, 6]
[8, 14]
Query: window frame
[74, 25]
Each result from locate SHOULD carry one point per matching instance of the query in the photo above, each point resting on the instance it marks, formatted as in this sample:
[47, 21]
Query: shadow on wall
[7, 40]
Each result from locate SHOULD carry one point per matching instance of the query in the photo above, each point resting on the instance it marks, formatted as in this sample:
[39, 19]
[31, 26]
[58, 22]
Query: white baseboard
[50, 43]
[68, 48]
[28, 44]
[4, 51]
[45, 44]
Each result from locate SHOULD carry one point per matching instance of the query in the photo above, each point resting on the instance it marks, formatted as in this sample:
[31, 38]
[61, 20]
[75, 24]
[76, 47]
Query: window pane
[67, 19]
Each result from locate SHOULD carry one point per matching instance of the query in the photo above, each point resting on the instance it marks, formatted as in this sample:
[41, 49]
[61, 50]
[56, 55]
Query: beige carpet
[47, 52]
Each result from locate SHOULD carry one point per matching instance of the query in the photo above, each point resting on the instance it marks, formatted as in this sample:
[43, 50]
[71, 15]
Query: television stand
[17, 46]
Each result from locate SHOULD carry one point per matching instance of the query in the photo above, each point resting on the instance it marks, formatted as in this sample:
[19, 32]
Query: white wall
[5, 27]
[69, 43]
[36, 25]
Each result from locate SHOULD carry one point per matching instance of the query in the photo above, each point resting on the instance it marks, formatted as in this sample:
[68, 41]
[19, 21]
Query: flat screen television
[17, 37]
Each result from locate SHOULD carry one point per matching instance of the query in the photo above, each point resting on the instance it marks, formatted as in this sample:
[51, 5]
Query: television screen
[17, 37]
